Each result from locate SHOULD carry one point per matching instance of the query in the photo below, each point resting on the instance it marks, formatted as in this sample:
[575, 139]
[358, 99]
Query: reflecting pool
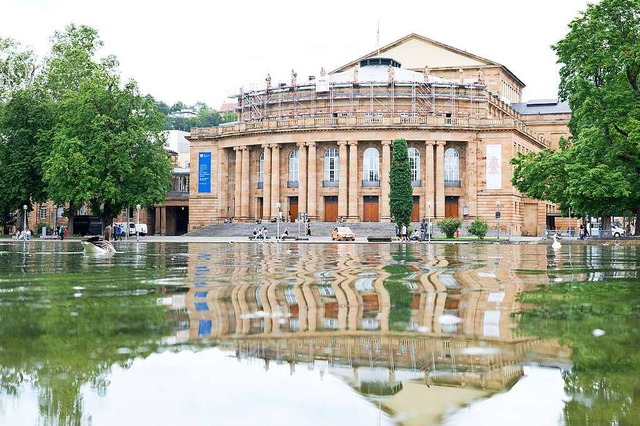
[319, 334]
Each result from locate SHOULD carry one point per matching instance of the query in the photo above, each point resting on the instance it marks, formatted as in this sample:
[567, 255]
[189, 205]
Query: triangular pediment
[415, 52]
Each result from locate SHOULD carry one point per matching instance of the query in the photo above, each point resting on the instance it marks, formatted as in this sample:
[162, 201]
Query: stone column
[224, 208]
[471, 178]
[302, 177]
[353, 181]
[385, 208]
[275, 178]
[244, 202]
[312, 184]
[343, 181]
[429, 181]
[266, 184]
[440, 179]
[238, 180]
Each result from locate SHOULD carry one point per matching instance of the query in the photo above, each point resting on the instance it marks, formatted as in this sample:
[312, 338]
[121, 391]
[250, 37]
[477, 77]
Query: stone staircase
[318, 229]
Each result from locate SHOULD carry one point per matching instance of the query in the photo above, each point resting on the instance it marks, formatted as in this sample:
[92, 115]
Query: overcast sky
[198, 50]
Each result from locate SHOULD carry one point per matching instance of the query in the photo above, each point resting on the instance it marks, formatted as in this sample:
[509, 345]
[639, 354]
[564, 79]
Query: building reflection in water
[386, 319]
[401, 324]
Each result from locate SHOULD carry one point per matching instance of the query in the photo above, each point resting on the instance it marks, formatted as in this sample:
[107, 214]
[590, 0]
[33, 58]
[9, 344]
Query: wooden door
[331, 209]
[260, 208]
[415, 212]
[371, 212]
[293, 209]
[451, 207]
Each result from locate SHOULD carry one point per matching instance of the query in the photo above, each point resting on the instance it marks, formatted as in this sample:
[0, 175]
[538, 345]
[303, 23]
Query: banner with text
[494, 166]
[204, 172]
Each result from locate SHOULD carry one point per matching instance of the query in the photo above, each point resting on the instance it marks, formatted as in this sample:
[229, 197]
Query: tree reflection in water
[56, 342]
[604, 382]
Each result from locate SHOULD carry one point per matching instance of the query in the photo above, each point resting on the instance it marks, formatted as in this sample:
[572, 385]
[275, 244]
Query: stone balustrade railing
[397, 121]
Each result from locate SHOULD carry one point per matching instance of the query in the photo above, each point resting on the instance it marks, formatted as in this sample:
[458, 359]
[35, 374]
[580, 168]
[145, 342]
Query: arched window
[261, 170]
[371, 166]
[331, 167]
[451, 167]
[414, 165]
[293, 168]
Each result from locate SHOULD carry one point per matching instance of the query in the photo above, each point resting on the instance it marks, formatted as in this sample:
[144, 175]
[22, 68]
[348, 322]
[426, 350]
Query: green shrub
[449, 226]
[478, 228]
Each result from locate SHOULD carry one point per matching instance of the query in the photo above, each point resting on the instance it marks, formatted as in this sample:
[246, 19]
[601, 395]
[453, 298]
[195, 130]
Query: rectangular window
[43, 212]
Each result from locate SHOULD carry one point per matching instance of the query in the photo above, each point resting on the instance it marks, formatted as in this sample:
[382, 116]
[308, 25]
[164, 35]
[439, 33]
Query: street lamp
[55, 219]
[137, 222]
[278, 206]
[24, 228]
[498, 217]
[429, 223]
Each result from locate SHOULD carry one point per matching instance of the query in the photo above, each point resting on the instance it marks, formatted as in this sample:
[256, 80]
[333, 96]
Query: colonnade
[349, 180]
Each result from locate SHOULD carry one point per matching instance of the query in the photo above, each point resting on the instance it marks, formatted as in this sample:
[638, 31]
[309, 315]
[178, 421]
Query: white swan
[556, 244]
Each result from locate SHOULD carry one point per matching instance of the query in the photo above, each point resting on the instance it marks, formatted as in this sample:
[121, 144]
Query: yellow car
[342, 233]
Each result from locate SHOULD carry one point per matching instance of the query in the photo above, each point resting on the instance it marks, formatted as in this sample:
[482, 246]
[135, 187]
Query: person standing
[403, 233]
[107, 232]
[308, 229]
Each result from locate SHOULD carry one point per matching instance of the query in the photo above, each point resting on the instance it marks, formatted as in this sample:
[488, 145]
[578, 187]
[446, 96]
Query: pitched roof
[462, 58]
[542, 106]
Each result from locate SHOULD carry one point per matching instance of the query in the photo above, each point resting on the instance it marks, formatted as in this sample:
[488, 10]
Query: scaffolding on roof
[364, 99]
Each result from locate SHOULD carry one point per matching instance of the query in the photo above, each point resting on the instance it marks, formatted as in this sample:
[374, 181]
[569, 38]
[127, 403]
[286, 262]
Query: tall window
[293, 166]
[371, 166]
[414, 164]
[331, 165]
[261, 168]
[43, 212]
[451, 167]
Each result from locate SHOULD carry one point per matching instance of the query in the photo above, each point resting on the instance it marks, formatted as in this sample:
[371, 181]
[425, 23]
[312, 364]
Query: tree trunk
[637, 227]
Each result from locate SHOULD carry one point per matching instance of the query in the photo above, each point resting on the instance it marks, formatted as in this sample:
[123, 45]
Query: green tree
[401, 190]
[24, 122]
[17, 67]
[598, 172]
[478, 228]
[108, 149]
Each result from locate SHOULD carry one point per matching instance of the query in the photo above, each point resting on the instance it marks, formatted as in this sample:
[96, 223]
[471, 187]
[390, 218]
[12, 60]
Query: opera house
[321, 145]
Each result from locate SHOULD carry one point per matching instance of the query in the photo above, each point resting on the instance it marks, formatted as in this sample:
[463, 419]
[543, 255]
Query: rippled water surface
[319, 334]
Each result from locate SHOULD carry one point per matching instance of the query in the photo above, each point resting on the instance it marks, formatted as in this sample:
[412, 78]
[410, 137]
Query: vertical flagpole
[378, 38]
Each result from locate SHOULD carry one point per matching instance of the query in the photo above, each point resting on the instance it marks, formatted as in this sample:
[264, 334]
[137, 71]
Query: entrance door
[331, 209]
[293, 209]
[451, 207]
[260, 208]
[371, 211]
[415, 212]
[182, 220]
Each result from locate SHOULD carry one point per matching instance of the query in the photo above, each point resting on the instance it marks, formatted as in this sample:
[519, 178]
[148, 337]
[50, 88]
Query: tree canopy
[75, 133]
[597, 172]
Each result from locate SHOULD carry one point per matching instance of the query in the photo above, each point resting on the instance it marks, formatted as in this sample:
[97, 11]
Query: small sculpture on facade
[480, 76]
[268, 80]
[322, 72]
[426, 73]
[355, 73]
[294, 76]
[392, 74]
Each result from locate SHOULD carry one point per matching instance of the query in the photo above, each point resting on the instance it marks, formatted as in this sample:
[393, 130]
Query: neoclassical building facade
[321, 146]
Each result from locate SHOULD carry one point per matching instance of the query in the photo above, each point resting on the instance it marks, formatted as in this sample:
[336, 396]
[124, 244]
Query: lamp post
[24, 227]
[278, 206]
[137, 222]
[55, 219]
[429, 222]
[498, 218]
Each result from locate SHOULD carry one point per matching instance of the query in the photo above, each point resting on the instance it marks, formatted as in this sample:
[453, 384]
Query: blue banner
[204, 172]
